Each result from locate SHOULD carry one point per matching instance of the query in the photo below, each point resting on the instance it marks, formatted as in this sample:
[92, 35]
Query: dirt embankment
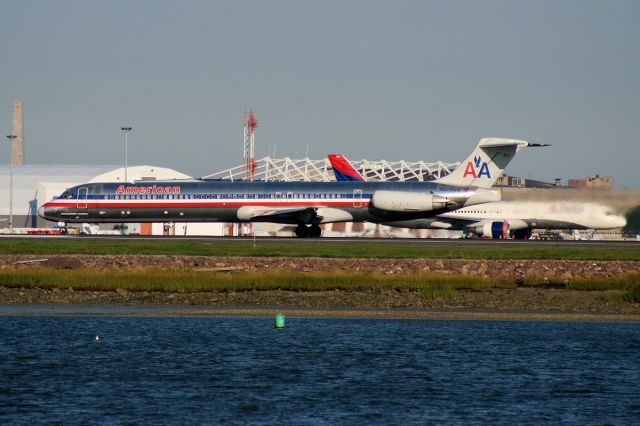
[564, 270]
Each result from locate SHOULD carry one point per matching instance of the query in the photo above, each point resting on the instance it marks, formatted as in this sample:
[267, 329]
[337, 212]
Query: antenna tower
[249, 160]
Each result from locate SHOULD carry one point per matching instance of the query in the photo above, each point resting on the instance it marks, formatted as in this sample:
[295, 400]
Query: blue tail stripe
[343, 177]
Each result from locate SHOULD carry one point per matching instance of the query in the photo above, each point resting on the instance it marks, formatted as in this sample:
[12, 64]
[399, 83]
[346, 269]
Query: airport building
[592, 182]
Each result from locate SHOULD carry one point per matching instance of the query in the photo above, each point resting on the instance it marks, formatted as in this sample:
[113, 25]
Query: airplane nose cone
[43, 211]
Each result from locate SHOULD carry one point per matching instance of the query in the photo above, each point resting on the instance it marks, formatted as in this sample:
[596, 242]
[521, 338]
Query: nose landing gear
[62, 227]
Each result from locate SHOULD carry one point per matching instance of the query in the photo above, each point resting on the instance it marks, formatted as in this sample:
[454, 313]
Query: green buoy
[279, 321]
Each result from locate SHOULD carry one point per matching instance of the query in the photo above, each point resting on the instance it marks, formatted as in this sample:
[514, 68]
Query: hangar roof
[105, 173]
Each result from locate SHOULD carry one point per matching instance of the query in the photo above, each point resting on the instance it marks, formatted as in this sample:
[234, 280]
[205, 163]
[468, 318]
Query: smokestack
[17, 146]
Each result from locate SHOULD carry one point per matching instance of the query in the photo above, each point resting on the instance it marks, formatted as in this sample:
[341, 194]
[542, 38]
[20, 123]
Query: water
[231, 370]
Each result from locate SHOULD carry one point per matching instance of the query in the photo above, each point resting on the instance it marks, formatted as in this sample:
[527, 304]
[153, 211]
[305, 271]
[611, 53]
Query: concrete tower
[17, 146]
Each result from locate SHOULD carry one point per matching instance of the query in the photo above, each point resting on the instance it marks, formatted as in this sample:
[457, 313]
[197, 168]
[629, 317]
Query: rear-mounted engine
[399, 201]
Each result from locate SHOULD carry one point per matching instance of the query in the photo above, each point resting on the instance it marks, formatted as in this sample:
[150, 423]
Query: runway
[418, 242]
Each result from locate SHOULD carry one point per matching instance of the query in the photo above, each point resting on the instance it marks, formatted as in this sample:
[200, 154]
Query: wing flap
[278, 214]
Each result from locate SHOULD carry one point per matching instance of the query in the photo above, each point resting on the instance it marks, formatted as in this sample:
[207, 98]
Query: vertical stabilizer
[343, 169]
[486, 163]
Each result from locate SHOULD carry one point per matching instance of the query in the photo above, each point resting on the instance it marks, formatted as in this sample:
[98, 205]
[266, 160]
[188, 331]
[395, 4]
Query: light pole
[11, 138]
[126, 131]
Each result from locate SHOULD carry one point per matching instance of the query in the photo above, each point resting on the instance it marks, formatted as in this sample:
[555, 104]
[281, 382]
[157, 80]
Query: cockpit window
[610, 213]
[66, 195]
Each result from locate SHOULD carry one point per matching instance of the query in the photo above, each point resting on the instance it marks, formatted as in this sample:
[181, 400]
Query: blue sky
[396, 80]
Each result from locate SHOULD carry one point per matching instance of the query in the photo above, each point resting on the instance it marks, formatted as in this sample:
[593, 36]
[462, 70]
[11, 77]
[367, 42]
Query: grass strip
[180, 281]
[375, 249]
[621, 282]
[626, 288]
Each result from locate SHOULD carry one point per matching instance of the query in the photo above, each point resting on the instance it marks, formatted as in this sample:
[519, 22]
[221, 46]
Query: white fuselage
[542, 214]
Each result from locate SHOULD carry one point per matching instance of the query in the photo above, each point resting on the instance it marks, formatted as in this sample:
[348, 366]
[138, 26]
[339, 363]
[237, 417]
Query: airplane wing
[307, 215]
[283, 215]
[477, 224]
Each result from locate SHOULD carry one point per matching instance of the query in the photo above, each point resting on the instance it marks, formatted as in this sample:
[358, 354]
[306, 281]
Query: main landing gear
[522, 234]
[304, 231]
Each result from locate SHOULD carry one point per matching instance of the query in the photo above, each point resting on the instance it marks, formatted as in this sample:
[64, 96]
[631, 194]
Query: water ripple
[316, 371]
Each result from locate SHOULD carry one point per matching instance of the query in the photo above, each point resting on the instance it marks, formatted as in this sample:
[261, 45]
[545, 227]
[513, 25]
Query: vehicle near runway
[306, 204]
[500, 219]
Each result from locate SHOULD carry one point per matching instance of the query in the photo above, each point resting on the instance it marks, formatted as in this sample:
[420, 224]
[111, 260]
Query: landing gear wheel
[522, 234]
[302, 231]
[315, 231]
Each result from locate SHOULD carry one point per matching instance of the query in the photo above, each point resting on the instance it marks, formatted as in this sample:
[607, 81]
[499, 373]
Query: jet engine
[494, 230]
[401, 201]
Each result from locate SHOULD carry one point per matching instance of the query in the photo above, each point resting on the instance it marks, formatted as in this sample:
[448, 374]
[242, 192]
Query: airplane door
[357, 198]
[83, 193]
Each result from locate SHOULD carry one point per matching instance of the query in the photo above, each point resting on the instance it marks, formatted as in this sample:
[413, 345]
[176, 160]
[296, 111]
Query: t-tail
[343, 169]
[486, 163]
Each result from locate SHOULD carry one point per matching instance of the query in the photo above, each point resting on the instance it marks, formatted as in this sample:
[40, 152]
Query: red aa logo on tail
[472, 166]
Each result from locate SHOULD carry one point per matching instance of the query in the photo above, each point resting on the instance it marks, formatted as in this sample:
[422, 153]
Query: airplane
[496, 219]
[305, 204]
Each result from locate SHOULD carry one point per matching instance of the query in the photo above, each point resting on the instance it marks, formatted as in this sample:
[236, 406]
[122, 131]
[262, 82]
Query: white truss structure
[403, 170]
[306, 169]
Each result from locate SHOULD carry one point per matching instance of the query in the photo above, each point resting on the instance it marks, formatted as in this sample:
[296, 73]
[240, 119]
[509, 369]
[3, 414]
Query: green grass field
[375, 249]
[182, 281]
[195, 281]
